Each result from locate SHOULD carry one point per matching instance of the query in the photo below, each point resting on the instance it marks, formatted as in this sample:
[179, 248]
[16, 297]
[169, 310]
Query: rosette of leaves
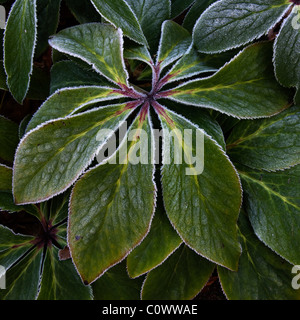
[162, 220]
[31, 238]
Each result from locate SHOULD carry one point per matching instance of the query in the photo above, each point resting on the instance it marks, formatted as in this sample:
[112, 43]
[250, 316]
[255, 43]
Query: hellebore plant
[149, 225]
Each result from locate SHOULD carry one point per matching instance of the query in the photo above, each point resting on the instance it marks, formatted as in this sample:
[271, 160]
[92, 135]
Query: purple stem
[129, 92]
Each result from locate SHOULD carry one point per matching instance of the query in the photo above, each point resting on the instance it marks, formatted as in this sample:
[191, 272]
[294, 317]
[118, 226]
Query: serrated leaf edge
[87, 163]
[191, 298]
[159, 264]
[257, 132]
[142, 33]
[211, 76]
[237, 176]
[157, 63]
[267, 245]
[73, 54]
[152, 215]
[190, 75]
[243, 43]
[58, 91]
[275, 54]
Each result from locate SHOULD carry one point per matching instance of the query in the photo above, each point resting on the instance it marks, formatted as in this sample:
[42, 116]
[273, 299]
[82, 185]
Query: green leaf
[269, 144]
[60, 280]
[180, 277]
[48, 18]
[99, 45]
[119, 13]
[5, 178]
[194, 63]
[9, 139]
[273, 203]
[195, 12]
[66, 74]
[151, 14]
[286, 52]
[160, 242]
[19, 44]
[7, 202]
[115, 284]
[262, 275]
[25, 274]
[228, 24]
[243, 88]
[202, 119]
[174, 43]
[112, 205]
[203, 206]
[191, 64]
[68, 101]
[83, 11]
[12, 246]
[60, 150]
[138, 52]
